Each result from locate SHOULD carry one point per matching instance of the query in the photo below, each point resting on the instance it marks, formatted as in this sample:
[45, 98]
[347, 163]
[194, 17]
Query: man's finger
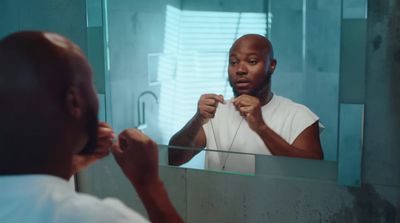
[123, 142]
[211, 102]
[99, 155]
[243, 102]
[104, 124]
[245, 108]
[210, 109]
[218, 98]
[116, 151]
[103, 145]
[103, 131]
[238, 103]
[221, 99]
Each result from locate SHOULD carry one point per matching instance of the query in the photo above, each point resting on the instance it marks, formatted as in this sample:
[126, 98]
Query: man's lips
[242, 85]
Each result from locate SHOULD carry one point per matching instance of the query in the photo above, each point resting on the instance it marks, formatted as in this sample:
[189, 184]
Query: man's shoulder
[289, 118]
[285, 109]
[289, 105]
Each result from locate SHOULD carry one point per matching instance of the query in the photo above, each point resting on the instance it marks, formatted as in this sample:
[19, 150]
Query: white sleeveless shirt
[228, 131]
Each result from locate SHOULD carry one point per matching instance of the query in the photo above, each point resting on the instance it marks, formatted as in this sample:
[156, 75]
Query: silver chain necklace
[230, 147]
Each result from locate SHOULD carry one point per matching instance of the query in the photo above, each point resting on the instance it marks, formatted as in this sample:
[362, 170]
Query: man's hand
[105, 135]
[207, 106]
[250, 108]
[137, 155]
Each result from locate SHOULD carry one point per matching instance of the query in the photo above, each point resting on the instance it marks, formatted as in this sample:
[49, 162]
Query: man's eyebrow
[253, 54]
[249, 54]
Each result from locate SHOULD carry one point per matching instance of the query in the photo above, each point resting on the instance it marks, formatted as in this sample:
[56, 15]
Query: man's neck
[265, 95]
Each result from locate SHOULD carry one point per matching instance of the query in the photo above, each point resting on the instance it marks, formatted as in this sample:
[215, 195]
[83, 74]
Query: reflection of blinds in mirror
[199, 41]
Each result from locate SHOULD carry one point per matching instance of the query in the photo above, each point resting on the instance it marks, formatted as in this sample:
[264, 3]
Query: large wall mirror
[163, 54]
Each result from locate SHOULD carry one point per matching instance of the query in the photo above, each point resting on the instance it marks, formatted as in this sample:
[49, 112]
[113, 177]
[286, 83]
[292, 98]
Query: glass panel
[250, 164]
[164, 54]
[162, 60]
[350, 144]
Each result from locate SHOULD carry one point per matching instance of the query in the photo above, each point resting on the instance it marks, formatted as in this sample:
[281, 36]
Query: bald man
[256, 121]
[50, 131]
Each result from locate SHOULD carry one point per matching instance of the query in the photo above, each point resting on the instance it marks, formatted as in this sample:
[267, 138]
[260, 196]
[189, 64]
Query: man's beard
[92, 125]
[255, 91]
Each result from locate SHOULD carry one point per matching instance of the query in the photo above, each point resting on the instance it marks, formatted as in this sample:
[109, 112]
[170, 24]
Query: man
[49, 131]
[255, 121]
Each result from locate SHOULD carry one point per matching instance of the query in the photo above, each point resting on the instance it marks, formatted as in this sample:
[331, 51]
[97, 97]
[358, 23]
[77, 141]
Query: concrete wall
[382, 120]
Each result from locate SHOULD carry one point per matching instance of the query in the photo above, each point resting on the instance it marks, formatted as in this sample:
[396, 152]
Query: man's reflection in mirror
[255, 121]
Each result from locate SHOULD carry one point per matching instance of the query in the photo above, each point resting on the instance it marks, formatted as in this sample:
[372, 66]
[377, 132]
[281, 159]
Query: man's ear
[74, 102]
[272, 65]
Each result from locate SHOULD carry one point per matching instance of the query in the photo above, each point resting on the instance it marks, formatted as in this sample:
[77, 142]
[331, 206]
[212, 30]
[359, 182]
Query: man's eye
[232, 62]
[253, 62]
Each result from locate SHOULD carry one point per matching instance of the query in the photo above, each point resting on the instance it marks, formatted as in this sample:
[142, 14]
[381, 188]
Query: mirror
[163, 54]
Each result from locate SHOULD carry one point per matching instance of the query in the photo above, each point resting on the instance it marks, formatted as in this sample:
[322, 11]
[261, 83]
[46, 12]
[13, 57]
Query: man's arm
[137, 155]
[306, 145]
[192, 134]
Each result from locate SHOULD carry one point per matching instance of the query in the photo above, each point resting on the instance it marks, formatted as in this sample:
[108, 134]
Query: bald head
[259, 41]
[45, 88]
[40, 60]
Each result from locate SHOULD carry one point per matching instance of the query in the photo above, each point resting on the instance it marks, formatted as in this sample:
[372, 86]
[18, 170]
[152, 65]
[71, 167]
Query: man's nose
[241, 69]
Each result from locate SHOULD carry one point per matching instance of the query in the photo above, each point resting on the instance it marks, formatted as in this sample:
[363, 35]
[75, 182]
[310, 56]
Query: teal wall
[65, 17]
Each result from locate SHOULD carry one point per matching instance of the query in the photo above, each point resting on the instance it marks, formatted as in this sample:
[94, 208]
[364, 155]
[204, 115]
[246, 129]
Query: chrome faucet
[142, 109]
